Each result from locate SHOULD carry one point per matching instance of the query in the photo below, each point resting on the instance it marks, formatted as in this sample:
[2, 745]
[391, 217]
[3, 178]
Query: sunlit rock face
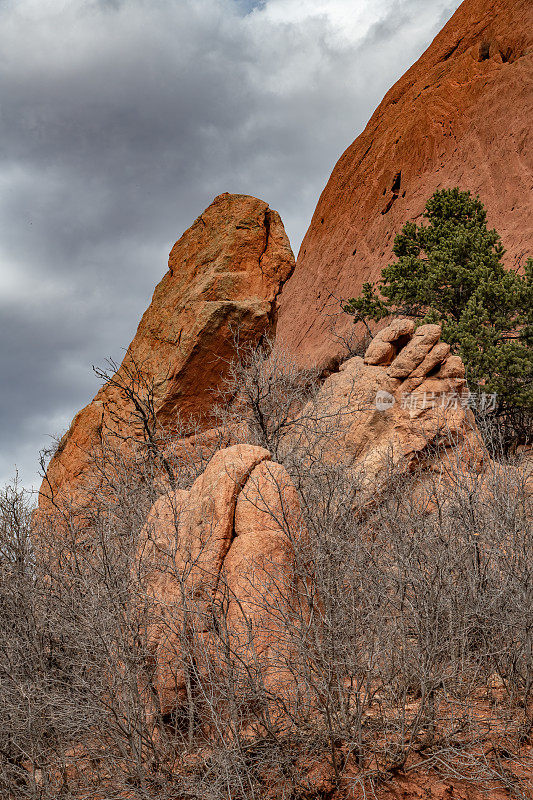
[223, 281]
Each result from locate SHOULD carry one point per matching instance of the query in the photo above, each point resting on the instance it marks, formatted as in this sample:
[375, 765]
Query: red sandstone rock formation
[224, 276]
[230, 539]
[226, 543]
[226, 539]
[461, 116]
[404, 406]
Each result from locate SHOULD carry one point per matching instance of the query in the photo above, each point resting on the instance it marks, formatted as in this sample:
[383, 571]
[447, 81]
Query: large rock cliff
[223, 281]
[461, 116]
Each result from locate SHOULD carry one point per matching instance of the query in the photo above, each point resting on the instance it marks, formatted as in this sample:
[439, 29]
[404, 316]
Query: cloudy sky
[120, 121]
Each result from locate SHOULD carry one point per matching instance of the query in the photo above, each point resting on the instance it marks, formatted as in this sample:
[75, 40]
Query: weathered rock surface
[259, 570]
[208, 531]
[226, 548]
[412, 414]
[381, 349]
[224, 275]
[414, 353]
[157, 564]
[226, 543]
[461, 116]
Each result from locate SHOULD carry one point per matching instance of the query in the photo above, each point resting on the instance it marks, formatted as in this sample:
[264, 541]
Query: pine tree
[450, 270]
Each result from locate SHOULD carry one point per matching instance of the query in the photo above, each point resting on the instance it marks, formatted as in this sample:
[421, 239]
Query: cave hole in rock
[484, 51]
[397, 182]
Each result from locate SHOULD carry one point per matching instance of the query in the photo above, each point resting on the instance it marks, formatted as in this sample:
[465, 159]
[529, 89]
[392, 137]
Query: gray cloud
[120, 120]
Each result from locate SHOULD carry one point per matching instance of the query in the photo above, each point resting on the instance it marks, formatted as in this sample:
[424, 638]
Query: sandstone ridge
[224, 277]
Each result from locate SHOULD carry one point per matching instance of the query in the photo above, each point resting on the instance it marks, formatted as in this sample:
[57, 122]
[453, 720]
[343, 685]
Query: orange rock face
[224, 277]
[461, 116]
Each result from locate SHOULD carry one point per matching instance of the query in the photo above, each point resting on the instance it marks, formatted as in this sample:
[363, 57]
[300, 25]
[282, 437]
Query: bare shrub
[401, 640]
[266, 391]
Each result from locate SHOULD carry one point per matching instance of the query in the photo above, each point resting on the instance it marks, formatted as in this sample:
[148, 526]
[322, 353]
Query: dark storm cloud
[121, 120]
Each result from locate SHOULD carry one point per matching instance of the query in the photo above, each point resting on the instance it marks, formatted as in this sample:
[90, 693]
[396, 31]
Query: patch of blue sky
[247, 6]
